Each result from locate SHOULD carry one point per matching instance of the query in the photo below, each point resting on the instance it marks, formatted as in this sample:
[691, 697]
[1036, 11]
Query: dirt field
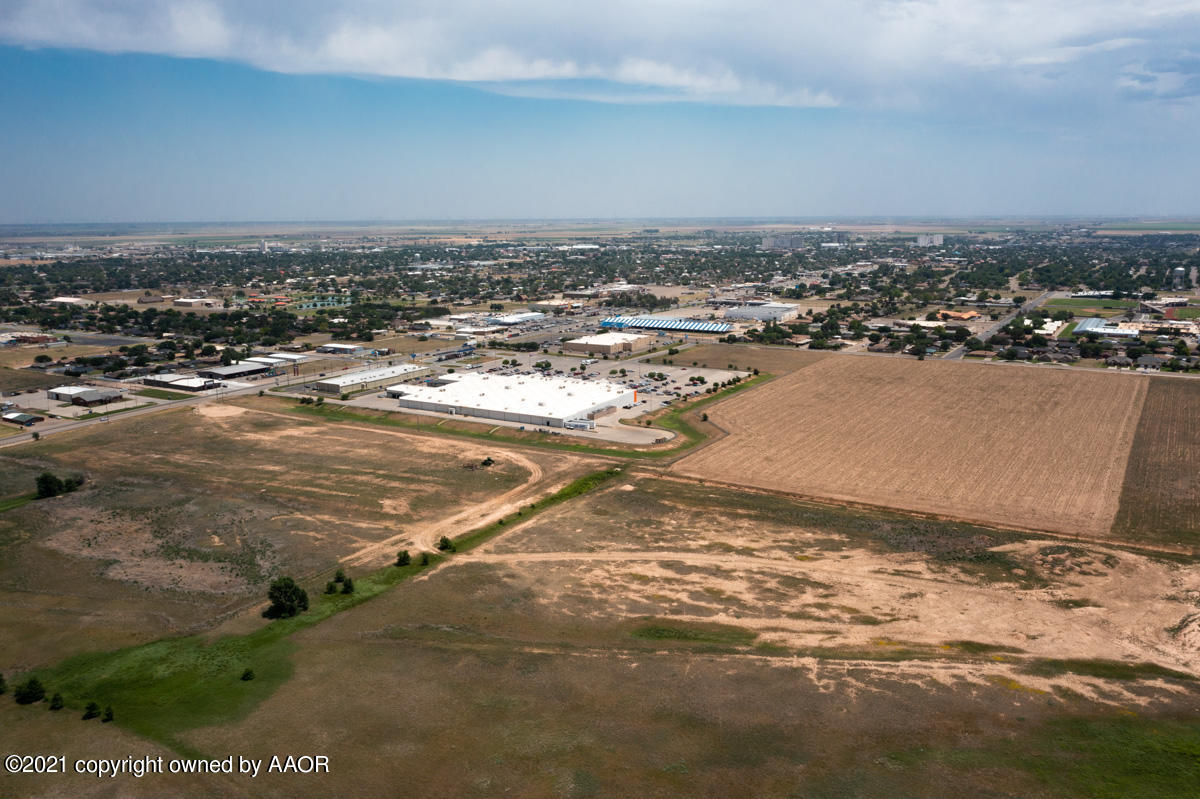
[664, 640]
[186, 515]
[774, 360]
[1017, 447]
[1160, 500]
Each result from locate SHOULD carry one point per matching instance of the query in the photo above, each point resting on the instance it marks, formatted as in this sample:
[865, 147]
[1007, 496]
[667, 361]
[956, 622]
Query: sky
[220, 110]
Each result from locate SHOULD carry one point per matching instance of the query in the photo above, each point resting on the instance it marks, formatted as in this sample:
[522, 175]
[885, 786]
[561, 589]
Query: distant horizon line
[1064, 217]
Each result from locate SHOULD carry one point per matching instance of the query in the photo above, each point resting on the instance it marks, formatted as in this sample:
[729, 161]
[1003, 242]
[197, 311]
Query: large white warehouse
[528, 399]
[357, 381]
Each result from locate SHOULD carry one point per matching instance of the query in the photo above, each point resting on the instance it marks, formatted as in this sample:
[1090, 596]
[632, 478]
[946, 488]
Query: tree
[287, 599]
[403, 558]
[445, 544]
[56, 702]
[331, 587]
[42, 359]
[424, 558]
[247, 675]
[339, 577]
[348, 586]
[29, 692]
[108, 715]
[3, 685]
[91, 711]
[48, 485]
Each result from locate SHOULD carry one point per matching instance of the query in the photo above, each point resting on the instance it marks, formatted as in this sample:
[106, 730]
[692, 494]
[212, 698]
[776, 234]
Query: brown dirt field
[23, 379]
[1160, 500]
[1017, 447]
[18, 357]
[195, 509]
[774, 360]
[519, 668]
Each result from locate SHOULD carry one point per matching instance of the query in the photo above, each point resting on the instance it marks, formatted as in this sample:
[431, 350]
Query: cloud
[912, 54]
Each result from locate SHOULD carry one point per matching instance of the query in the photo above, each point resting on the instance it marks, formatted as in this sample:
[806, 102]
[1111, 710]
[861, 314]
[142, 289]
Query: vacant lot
[185, 515]
[746, 357]
[23, 379]
[1014, 446]
[1160, 500]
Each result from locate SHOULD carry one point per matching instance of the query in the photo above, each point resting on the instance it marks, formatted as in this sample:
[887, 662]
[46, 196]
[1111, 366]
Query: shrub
[424, 558]
[56, 702]
[48, 485]
[339, 577]
[445, 544]
[331, 587]
[403, 558]
[3, 685]
[348, 586]
[29, 692]
[247, 675]
[108, 715]
[91, 711]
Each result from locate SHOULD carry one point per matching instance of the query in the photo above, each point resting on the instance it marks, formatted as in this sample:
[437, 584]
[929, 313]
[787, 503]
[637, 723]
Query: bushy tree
[348, 586]
[29, 692]
[56, 702]
[91, 711]
[403, 558]
[247, 675]
[48, 485]
[287, 599]
[108, 715]
[445, 544]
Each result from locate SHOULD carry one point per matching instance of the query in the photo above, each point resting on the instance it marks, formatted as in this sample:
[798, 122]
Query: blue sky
[127, 110]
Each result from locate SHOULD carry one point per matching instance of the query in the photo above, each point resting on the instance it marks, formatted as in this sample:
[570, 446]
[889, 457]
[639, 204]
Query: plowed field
[1023, 447]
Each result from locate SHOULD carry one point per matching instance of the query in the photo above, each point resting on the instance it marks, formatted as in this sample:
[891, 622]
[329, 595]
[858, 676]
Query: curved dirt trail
[425, 537]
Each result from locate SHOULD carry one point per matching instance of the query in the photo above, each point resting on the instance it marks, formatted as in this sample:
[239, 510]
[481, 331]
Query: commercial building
[762, 312]
[930, 239]
[526, 399]
[194, 302]
[370, 378]
[508, 320]
[340, 349]
[84, 395]
[1104, 328]
[22, 419]
[608, 343]
[180, 382]
[234, 371]
[665, 323]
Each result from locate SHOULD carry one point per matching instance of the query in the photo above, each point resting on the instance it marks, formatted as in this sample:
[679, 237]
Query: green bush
[29, 692]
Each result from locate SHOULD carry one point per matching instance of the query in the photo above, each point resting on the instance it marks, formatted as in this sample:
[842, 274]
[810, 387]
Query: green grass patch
[158, 393]
[1104, 669]
[693, 633]
[1099, 758]
[1068, 331]
[12, 503]
[979, 648]
[1185, 313]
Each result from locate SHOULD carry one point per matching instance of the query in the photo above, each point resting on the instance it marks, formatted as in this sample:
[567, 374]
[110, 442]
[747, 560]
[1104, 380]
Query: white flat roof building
[515, 318]
[607, 343]
[529, 399]
[265, 360]
[370, 378]
[294, 357]
[762, 312]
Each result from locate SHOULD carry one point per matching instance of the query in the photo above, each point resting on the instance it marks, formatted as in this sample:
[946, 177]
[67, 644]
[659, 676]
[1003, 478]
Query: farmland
[1160, 500]
[1035, 450]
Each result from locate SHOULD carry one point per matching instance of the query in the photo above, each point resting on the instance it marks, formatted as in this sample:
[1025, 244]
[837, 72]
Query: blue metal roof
[665, 323]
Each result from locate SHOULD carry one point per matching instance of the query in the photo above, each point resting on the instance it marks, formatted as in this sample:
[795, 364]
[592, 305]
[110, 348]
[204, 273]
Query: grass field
[23, 379]
[1006, 446]
[1089, 302]
[186, 514]
[747, 357]
[1184, 313]
[17, 357]
[1160, 499]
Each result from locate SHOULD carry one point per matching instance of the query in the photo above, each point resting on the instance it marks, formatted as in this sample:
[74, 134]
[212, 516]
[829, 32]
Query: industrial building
[22, 419]
[84, 395]
[370, 378]
[762, 312]
[665, 323]
[608, 343]
[234, 371]
[1104, 327]
[527, 399]
[180, 382]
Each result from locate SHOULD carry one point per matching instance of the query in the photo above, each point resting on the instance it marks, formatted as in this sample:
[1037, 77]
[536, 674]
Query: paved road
[998, 325]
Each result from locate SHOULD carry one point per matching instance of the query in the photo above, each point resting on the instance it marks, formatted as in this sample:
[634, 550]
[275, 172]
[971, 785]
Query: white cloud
[855, 53]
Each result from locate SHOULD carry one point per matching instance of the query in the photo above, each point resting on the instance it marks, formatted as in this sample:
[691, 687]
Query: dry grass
[774, 360]
[1160, 500]
[1014, 446]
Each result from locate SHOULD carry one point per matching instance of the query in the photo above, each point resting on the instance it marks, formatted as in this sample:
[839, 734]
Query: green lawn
[1190, 312]
[1068, 331]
